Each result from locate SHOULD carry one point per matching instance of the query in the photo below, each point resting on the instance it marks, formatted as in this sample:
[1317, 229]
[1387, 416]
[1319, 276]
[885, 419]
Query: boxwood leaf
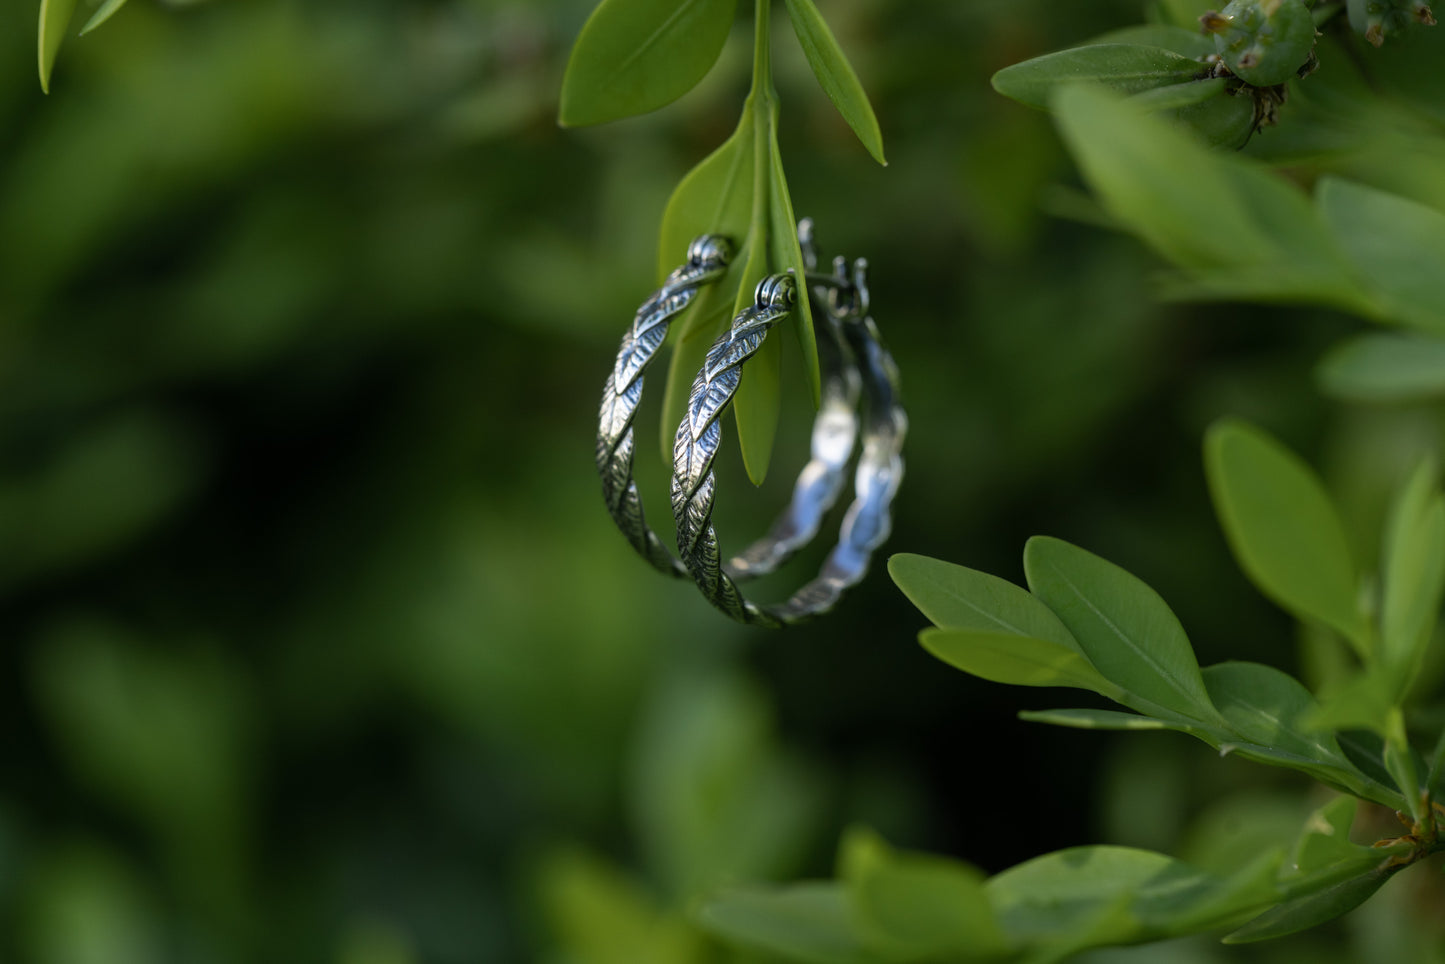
[634, 56]
[1384, 368]
[1313, 908]
[1019, 660]
[1265, 706]
[1127, 631]
[54, 20]
[1126, 68]
[1177, 96]
[1283, 528]
[835, 75]
[911, 906]
[956, 597]
[808, 922]
[1396, 243]
[1414, 577]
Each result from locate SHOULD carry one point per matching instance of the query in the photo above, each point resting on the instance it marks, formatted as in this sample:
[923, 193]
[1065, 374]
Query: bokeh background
[318, 643]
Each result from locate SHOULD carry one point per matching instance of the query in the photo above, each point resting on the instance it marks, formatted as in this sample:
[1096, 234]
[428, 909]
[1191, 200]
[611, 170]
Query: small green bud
[1263, 42]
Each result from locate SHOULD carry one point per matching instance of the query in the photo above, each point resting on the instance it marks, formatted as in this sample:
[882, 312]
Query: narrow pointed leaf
[54, 20]
[1397, 243]
[104, 13]
[714, 198]
[1018, 660]
[955, 597]
[787, 255]
[1283, 528]
[1129, 634]
[830, 65]
[1089, 719]
[634, 56]
[756, 405]
[1125, 68]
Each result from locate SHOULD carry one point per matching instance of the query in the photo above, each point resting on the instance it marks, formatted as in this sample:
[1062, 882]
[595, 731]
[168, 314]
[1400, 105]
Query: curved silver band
[834, 431]
[868, 520]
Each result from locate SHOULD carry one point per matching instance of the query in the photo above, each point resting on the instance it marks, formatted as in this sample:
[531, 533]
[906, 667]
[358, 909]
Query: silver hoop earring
[867, 522]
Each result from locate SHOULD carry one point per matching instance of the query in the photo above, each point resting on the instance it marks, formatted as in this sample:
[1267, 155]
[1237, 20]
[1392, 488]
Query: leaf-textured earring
[880, 468]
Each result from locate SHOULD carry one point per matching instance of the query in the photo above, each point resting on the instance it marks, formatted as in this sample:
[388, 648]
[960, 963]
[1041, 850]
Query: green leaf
[1125, 68]
[1123, 627]
[1019, 660]
[910, 906]
[54, 19]
[1177, 96]
[786, 255]
[830, 65]
[715, 197]
[1362, 702]
[106, 11]
[1325, 839]
[1311, 909]
[1214, 215]
[955, 597]
[1414, 577]
[1265, 706]
[756, 405]
[634, 56]
[591, 904]
[1384, 368]
[1435, 777]
[1283, 528]
[1088, 719]
[1397, 243]
[1057, 896]
[1186, 43]
[809, 922]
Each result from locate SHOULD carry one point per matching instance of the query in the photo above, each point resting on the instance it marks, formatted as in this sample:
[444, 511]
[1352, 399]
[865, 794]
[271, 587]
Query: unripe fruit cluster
[1263, 42]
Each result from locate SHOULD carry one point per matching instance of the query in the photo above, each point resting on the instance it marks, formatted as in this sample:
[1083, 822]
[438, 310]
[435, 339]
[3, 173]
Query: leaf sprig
[634, 56]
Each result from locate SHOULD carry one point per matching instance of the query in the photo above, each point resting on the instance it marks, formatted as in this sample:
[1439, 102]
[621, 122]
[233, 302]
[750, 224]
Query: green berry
[1263, 42]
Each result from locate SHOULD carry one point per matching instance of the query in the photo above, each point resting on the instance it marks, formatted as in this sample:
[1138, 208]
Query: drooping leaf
[910, 906]
[1018, 660]
[54, 20]
[1124, 628]
[808, 922]
[1126, 68]
[1397, 243]
[1283, 528]
[1384, 368]
[101, 15]
[955, 597]
[1311, 909]
[787, 255]
[714, 198]
[756, 405]
[1414, 577]
[634, 56]
[830, 65]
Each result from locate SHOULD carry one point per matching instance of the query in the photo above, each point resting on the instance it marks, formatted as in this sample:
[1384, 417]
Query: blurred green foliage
[320, 643]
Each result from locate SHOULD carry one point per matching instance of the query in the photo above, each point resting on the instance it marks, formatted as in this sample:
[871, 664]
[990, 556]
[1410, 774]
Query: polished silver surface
[868, 520]
[707, 260]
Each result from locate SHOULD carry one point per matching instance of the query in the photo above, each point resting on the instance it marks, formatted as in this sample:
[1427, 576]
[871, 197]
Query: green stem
[763, 49]
[763, 99]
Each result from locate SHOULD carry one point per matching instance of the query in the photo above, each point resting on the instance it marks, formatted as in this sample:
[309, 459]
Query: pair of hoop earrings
[856, 368]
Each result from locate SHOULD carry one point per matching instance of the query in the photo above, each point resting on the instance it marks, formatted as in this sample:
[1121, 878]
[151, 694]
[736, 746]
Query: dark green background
[318, 642]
